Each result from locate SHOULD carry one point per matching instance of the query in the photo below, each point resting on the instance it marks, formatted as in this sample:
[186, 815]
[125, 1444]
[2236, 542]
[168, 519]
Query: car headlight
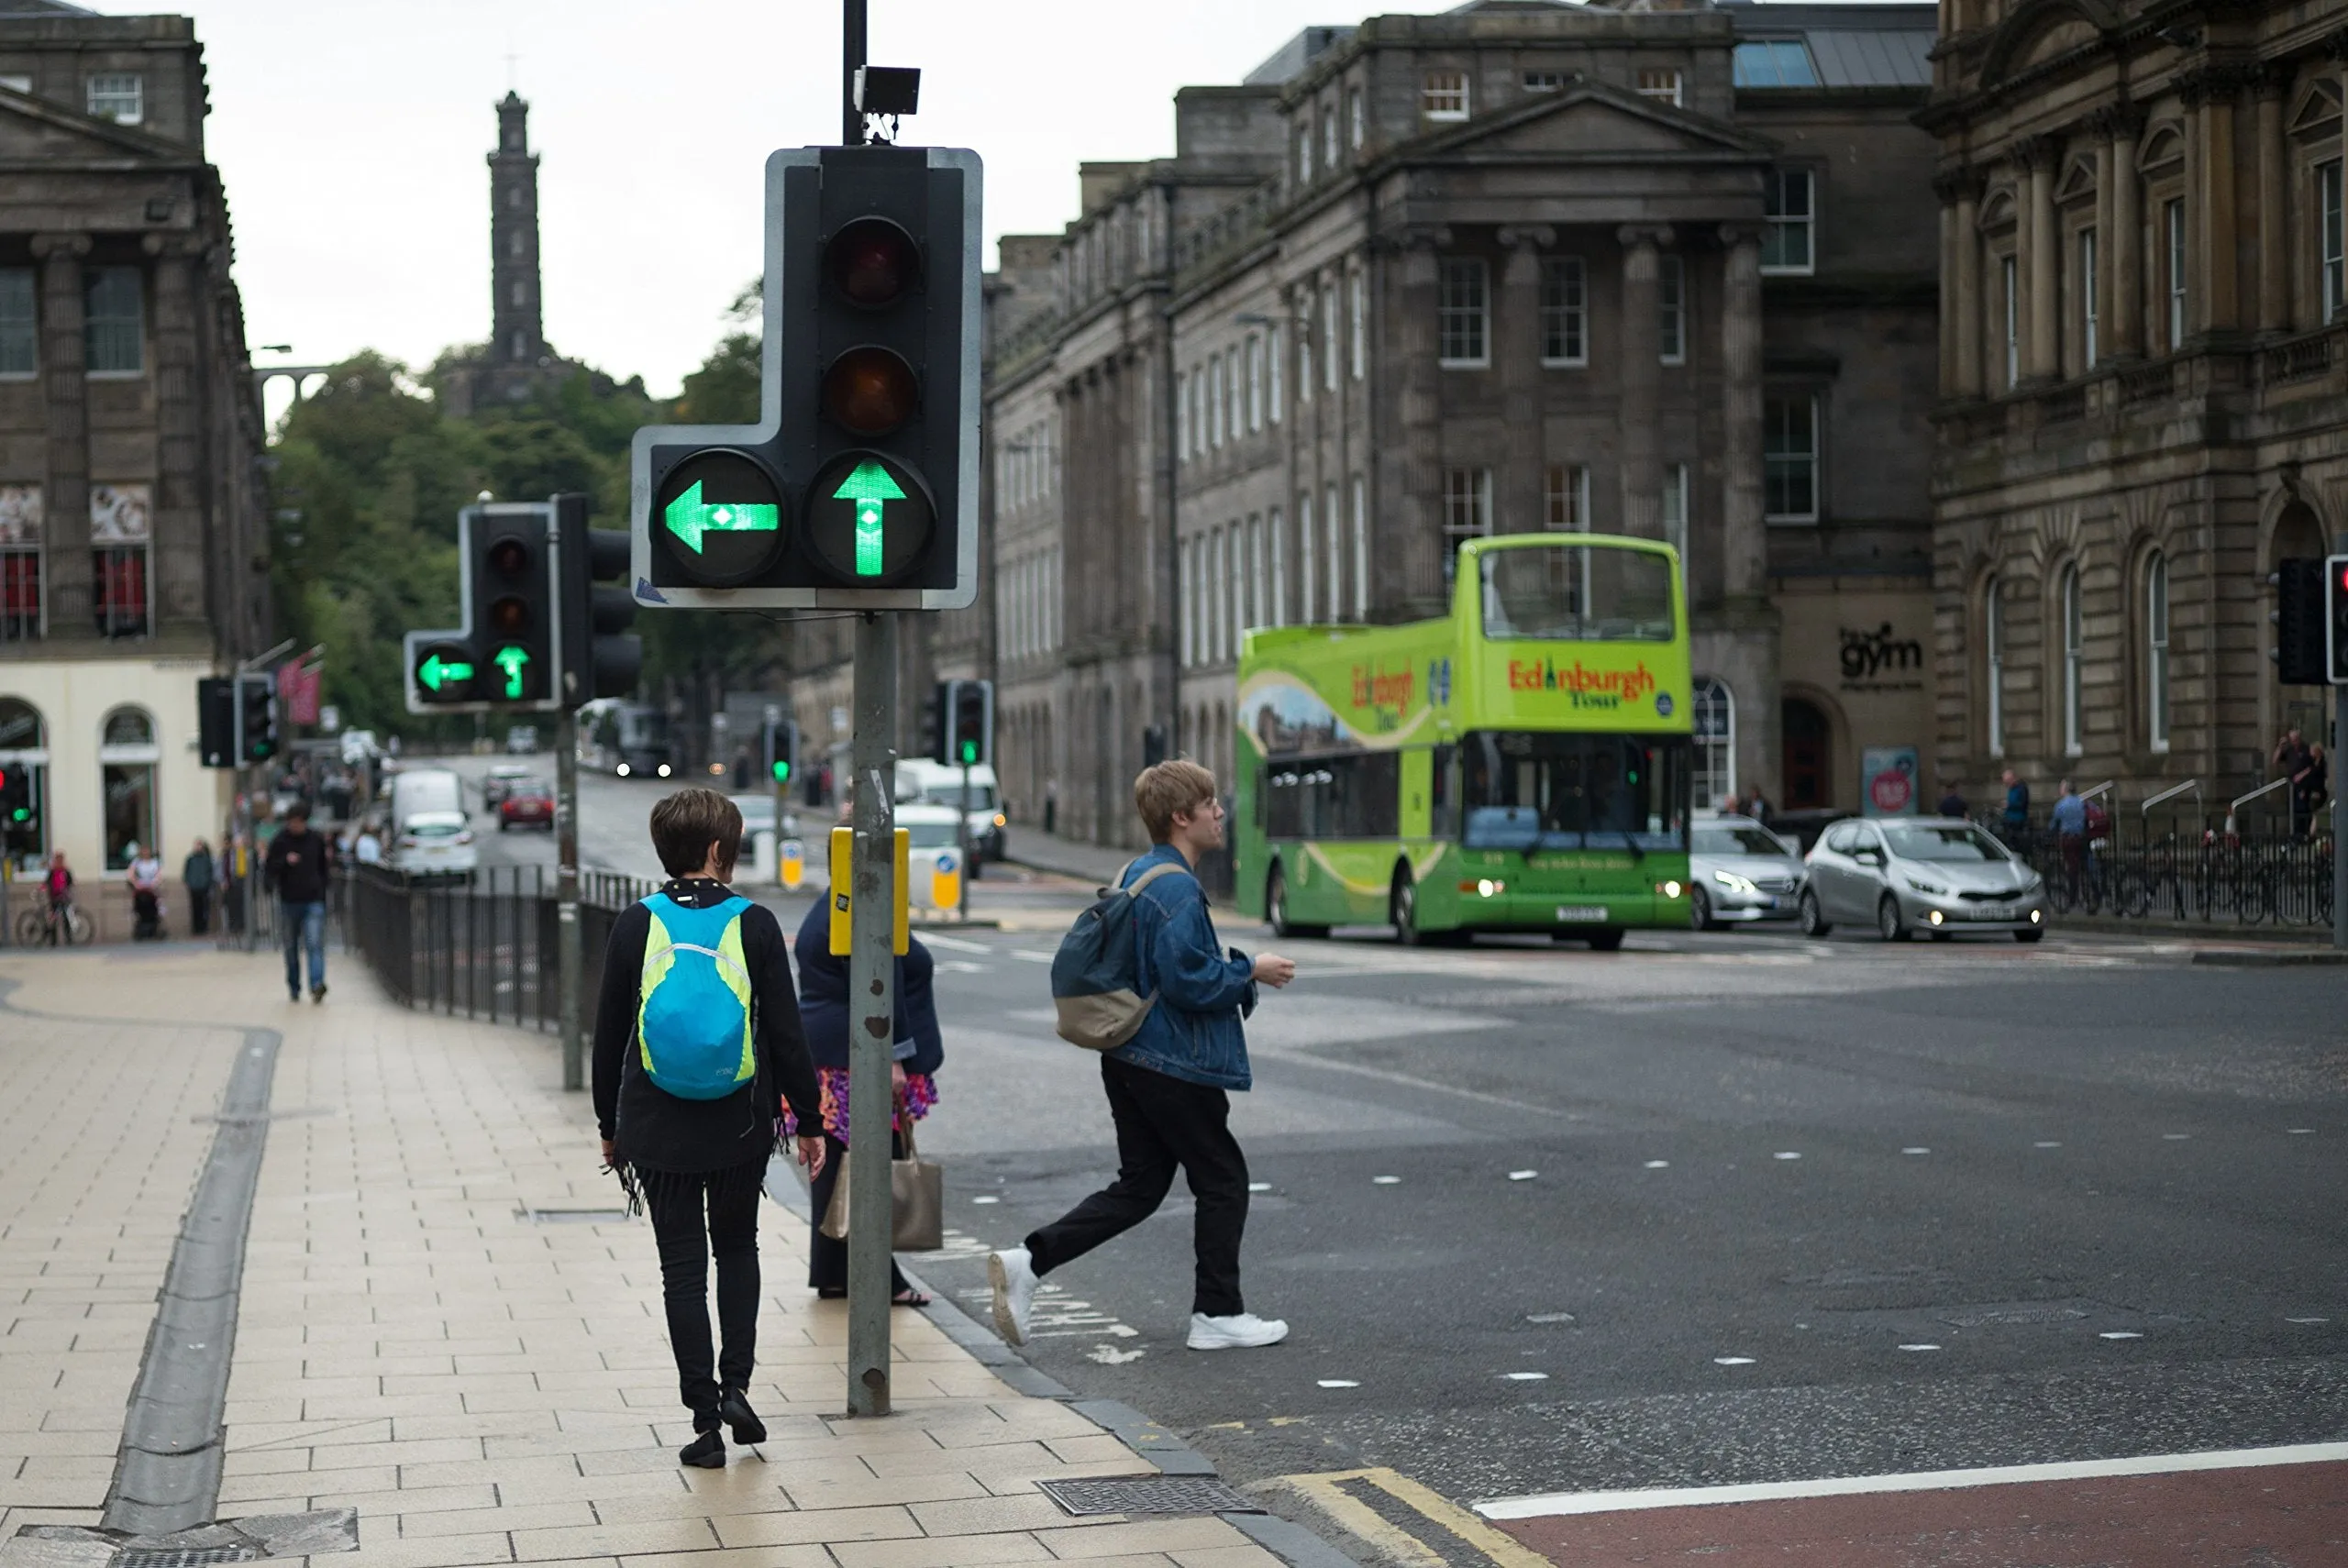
[1934, 889]
[1735, 883]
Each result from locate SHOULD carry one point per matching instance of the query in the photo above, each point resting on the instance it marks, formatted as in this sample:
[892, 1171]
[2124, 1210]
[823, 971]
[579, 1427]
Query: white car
[435, 844]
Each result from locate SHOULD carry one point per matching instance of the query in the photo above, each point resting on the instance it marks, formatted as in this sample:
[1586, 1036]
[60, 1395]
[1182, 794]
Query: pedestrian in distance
[1952, 802]
[2315, 786]
[917, 1051]
[144, 873]
[56, 884]
[698, 1057]
[299, 870]
[2289, 760]
[2070, 822]
[2017, 812]
[1170, 1085]
[197, 875]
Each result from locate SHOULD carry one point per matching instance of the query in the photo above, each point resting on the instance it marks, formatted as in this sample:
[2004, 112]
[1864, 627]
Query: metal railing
[2179, 868]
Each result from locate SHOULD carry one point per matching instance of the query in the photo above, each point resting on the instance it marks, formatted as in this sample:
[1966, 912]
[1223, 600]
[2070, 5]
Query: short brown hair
[686, 824]
[1168, 790]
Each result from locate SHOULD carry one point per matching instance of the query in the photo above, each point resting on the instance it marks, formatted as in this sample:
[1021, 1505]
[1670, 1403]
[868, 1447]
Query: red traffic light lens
[872, 262]
[510, 615]
[869, 390]
[508, 555]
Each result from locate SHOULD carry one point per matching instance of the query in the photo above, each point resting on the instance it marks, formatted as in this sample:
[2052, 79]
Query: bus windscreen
[1577, 593]
[1544, 789]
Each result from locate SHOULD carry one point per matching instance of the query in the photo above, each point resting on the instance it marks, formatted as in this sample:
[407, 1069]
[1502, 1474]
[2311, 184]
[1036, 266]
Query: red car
[529, 802]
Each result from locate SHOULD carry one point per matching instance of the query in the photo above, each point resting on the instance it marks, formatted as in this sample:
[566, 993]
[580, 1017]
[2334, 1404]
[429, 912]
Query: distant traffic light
[2335, 620]
[509, 589]
[964, 719]
[782, 744]
[598, 656]
[858, 487]
[255, 718]
[2302, 650]
[216, 720]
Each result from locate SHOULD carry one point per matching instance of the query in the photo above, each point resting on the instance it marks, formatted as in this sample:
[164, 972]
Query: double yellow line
[1328, 1492]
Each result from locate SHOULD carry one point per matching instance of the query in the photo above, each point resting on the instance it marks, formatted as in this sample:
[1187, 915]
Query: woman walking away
[698, 1057]
[918, 1052]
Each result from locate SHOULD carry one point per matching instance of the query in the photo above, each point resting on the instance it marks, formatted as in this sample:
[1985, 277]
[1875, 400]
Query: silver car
[1940, 874]
[1739, 870]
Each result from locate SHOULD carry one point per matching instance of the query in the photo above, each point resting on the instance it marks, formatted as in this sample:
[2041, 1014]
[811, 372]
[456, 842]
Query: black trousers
[199, 910]
[1163, 1123]
[826, 1258]
[696, 1215]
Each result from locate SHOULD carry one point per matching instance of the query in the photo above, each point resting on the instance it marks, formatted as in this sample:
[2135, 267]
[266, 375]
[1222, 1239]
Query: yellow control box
[843, 880]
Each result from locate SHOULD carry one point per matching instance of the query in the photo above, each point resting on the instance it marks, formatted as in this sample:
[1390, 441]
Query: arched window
[1714, 718]
[24, 782]
[126, 758]
[2074, 663]
[2156, 651]
[1993, 646]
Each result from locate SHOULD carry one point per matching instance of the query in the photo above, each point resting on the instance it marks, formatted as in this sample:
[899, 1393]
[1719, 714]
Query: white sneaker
[1244, 1330]
[1014, 1291]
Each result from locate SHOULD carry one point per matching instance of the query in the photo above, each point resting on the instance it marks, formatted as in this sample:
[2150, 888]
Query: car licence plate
[1993, 911]
[1581, 912]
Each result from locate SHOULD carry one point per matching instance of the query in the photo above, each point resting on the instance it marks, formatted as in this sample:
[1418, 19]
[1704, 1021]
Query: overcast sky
[352, 134]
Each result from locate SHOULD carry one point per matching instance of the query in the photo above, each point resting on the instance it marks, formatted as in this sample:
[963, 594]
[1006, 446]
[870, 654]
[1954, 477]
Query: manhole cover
[1148, 1495]
[180, 1556]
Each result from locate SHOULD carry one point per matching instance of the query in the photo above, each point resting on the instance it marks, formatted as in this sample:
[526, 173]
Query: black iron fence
[2179, 870]
[483, 946]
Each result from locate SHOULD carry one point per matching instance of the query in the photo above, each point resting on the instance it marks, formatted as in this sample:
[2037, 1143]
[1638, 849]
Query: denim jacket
[1203, 988]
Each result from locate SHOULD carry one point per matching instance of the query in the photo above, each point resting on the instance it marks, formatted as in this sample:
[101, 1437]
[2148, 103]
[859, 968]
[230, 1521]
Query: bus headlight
[1487, 887]
[1668, 889]
[622, 771]
[664, 770]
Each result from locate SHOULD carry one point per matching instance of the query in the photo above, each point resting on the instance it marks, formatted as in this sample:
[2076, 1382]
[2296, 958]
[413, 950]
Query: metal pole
[872, 973]
[962, 895]
[852, 34]
[568, 969]
[2339, 802]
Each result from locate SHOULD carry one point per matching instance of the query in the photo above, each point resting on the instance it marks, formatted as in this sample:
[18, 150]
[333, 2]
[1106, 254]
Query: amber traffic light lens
[508, 556]
[510, 616]
[874, 262]
[869, 390]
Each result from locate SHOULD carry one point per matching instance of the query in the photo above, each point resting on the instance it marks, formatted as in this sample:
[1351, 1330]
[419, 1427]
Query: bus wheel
[1276, 911]
[1607, 941]
[1402, 909]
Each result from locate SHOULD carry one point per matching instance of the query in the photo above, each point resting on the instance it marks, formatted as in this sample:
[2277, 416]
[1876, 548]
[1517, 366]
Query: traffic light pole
[969, 865]
[569, 966]
[872, 971]
[2339, 802]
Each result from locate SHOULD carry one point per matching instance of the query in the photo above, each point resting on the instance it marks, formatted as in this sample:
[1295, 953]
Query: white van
[429, 834]
[934, 784]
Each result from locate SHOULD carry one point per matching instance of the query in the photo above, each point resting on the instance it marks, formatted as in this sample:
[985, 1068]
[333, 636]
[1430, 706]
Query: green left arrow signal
[436, 672]
[510, 660]
[689, 518]
[872, 488]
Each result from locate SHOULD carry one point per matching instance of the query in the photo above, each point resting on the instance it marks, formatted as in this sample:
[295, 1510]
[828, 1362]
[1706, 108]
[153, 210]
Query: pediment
[1590, 121]
[2078, 182]
[36, 130]
[2164, 144]
[2317, 112]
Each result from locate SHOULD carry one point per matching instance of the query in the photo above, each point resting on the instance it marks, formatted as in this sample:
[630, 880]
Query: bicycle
[51, 925]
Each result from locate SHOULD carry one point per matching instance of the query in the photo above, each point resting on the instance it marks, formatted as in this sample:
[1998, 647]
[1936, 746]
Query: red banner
[297, 692]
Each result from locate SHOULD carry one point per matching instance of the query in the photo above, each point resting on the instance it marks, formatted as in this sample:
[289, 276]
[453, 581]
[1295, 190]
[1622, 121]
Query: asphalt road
[1723, 1209]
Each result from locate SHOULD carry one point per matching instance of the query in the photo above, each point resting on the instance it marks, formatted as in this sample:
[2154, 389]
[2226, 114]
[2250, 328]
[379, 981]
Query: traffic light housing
[857, 488]
[216, 720]
[781, 742]
[255, 718]
[2302, 655]
[964, 719]
[597, 655]
[510, 603]
[2335, 620]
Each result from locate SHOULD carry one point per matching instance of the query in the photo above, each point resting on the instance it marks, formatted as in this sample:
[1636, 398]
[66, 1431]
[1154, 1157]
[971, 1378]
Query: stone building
[133, 541]
[2142, 379]
[1523, 265]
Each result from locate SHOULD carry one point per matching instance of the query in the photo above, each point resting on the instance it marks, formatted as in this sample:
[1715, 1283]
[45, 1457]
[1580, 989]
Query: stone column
[2214, 290]
[2123, 313]
[1960, 192]
[1420, 490]
[65, 499]
[2273, 234]
[1743, 544]
[176, 553]
[1522, 479]
[2042, 242]
[1641, 350]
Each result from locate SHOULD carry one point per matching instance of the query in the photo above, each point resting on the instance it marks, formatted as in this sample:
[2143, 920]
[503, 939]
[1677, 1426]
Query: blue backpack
[1096, 975]
[693, 1019]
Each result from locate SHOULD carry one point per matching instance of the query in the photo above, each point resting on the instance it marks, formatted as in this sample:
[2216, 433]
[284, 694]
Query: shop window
[24, 783]
[126, 758]
[1713, 717]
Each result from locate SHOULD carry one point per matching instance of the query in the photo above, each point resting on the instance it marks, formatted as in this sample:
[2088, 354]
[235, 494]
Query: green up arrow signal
[689, 518]
[870, 488]
[510, 660]
[434, 672]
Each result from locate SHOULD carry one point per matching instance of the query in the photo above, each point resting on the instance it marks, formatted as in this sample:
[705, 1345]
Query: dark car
[528, 802]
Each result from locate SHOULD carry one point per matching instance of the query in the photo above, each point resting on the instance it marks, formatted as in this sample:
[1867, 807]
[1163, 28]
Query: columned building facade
[1518, 267]
[2144, 383]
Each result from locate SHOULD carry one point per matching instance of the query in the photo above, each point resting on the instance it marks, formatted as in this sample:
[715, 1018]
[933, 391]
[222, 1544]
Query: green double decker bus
[1521, 765]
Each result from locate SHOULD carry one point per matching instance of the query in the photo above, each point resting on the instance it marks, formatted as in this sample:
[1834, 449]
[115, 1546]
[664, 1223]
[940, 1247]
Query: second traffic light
[781, 742]
[599, 656]
[255, 710]
[857, 488]
[965, 724]
[2300, 616]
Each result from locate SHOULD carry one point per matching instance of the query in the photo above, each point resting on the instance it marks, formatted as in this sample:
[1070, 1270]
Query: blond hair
[1162, 792]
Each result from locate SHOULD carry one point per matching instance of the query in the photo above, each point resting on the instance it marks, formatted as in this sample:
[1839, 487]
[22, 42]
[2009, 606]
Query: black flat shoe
[734, 1408]
[706, 1452]
[831, 1293]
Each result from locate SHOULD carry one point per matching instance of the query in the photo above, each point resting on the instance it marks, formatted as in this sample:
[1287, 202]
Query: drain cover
[1148, 1495]
[180, 1556]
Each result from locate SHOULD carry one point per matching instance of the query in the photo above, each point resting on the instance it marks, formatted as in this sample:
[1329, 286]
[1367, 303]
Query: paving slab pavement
[438, 1330]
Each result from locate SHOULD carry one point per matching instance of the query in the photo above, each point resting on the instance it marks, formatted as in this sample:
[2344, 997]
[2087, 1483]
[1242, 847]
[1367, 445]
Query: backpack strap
[1152, 875]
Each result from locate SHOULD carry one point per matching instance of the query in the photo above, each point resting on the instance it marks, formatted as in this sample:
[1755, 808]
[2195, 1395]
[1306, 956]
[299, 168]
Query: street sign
[858, 487]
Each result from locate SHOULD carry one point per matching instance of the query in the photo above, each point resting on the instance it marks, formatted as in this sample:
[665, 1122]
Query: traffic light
[781, 741]
[2302, 656]
[598, 656]
[965, 719]
[509, 599]
[857, 488]
[216, 720]
[2335, 620]
[255, 718]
